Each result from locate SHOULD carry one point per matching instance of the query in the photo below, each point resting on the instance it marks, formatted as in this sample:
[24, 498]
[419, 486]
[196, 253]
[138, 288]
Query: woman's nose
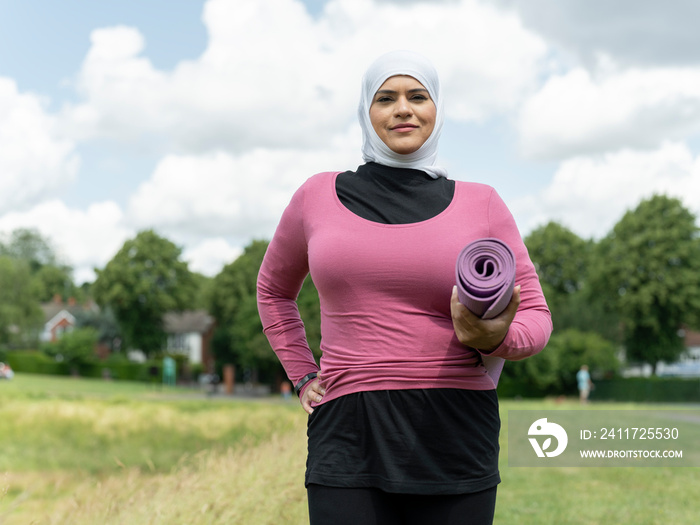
[402, 108]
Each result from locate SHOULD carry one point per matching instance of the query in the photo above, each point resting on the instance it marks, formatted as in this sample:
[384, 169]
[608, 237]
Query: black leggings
[370, 506]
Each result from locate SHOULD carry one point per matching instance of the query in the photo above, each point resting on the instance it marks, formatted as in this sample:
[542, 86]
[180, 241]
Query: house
[60, 317]
[190, 333]
[687, 365]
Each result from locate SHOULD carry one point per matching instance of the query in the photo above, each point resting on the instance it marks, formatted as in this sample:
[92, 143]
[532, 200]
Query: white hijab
[373, 148]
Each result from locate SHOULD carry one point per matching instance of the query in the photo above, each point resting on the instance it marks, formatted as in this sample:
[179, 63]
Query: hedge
[648, 389]
[634, 389]
[114, 367]
[509, 387]
[35, 362]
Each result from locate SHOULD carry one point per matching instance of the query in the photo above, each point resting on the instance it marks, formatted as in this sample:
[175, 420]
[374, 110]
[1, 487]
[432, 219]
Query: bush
[648, 389]
[553, 371]
[116, 366]
[76, 347]
[35, 362]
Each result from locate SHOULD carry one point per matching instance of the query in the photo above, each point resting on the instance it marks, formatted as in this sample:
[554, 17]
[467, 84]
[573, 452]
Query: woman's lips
[403, 128]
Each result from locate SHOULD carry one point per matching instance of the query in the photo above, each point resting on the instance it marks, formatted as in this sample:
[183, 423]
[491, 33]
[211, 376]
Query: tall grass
[93, 452]
[45, 427]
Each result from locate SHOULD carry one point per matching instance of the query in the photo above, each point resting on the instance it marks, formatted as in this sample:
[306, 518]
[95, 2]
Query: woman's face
[403, 114]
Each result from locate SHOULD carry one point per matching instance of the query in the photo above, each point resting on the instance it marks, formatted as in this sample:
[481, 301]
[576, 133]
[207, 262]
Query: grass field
[79, 452]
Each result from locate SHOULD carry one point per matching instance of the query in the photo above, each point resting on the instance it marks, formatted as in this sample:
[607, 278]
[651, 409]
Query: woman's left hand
[482, 334]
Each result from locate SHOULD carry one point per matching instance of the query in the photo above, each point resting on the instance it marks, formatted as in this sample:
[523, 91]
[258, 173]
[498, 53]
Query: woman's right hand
[312, 394]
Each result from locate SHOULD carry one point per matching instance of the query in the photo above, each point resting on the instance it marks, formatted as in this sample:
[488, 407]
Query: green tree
[20, 315]
[143, 281]
[231, 302]
[553, 371]
[49, 276]
[29, 245]
[239, 338]
[203, 286]
[310, 311]
[75, 347]
[563, 260]
[648, 269]
[560, 256]
[104, 322]
[576, 348]
[52, 280]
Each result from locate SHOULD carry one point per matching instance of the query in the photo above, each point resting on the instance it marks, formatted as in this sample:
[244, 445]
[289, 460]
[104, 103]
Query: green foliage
[20, 315]
[233, 304]
[28, 245]
[239, 339]
[35, 362]
[647, 269]
[142, 282]
[74, 347]
[553, 371]
[648, 389]
[560, 257]
[576, 348]
[29, 274]
[104, 322]
[49, 277]
[310, 311]
[584, 311]
[563, 261]
[532, 377]
[51, 280]
[203, 287]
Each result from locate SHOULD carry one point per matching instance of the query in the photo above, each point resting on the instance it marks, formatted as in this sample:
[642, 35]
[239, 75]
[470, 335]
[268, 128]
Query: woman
[403, 418]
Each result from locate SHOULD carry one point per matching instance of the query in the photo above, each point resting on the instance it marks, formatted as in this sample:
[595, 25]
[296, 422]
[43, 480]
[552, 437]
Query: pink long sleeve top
[385, 292]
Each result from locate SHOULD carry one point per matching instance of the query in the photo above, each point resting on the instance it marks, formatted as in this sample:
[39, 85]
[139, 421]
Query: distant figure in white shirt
[583, 378]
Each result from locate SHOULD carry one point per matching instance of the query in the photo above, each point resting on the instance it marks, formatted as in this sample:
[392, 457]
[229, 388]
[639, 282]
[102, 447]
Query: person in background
[5, 371]
[583, 378]
[286, 389]
[403, 419]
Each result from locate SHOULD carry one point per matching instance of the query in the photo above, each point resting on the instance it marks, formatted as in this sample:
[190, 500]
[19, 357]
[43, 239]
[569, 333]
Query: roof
[53, 308]
[692, 338]
[56, 319]
[188, 321]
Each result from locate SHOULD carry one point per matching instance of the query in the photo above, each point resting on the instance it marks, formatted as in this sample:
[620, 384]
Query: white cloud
[590, 194]
[83, 239]
[576, 113]
[34, 163]
[634, 32]
[235, 196]
[211, 255]
[274, 77]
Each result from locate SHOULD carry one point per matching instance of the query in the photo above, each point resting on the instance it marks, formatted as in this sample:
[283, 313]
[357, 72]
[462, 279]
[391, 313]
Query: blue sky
[200, 118]
[42, 46]
[42, 43]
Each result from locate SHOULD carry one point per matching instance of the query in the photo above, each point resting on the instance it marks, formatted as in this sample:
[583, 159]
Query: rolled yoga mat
[485, 280]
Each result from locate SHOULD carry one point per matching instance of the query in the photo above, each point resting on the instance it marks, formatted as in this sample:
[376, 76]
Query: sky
[199, 119]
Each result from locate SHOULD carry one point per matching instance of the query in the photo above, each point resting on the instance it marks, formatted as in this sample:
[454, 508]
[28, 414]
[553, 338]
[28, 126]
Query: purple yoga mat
[485, 280]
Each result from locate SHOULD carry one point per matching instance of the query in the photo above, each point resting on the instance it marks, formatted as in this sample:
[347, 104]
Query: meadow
[85, 452]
